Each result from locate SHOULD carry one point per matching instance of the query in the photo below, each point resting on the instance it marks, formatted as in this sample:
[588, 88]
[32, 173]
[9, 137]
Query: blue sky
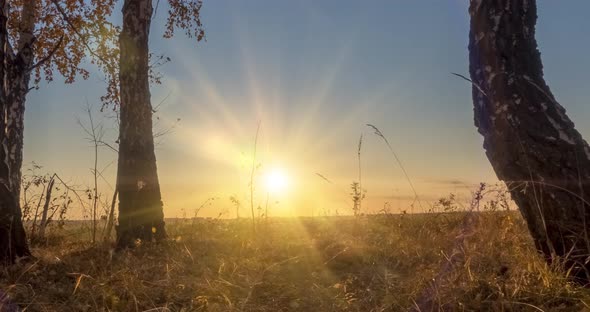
[313, 73]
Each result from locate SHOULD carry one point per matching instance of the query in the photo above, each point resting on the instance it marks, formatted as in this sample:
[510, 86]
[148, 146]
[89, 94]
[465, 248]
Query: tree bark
[19, 73]
[141, 214]
[528, 138]
[13, 243]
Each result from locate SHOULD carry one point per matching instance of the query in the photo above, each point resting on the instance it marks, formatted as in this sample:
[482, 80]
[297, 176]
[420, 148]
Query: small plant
[446, 204]
[358, 195]
[45, 199]
[237, 204]
[254, 167]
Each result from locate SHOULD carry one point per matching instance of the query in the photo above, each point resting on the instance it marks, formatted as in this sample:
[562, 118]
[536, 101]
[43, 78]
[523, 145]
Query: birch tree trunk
[141, 214]
[528, 138]
[19, 75]
[13, 243]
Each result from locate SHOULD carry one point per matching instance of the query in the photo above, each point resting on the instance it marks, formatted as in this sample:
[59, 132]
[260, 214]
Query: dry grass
[430, 262]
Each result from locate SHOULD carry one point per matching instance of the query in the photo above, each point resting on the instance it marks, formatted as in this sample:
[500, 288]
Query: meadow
[440, 261]
[308, 74]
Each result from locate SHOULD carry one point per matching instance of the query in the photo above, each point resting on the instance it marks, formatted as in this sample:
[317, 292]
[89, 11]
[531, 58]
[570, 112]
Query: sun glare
[276, 181]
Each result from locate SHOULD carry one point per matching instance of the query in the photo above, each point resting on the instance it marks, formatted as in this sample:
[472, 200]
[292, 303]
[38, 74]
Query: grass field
[429, 262]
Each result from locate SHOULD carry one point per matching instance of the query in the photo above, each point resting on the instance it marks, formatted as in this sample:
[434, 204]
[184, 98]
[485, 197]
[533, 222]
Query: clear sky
[313, 73]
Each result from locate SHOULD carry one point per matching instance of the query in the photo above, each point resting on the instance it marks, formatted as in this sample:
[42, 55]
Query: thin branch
[156, 9]
[48, 56]
[157, 107]
[103, 143]
[472, 82]
[73, 190]
[101, 174]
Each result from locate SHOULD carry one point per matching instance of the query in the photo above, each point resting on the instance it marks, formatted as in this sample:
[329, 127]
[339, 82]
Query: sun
[276, 181]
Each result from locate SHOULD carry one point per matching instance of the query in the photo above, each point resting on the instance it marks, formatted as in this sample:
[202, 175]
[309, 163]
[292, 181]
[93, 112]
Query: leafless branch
[472, 82]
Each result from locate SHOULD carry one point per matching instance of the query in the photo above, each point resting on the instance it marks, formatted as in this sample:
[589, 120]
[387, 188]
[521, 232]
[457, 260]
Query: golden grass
[429, 262]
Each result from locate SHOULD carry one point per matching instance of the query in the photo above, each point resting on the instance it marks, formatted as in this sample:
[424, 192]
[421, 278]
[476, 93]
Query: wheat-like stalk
[399, 162]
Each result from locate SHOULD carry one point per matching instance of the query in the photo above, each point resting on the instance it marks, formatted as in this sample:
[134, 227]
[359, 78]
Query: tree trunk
[530, 142]
[110, 219]
[19, 73]
[13, 243]
[44, 221]
[141, 214]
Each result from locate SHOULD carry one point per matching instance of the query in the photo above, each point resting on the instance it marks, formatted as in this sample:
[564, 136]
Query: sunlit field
[313, 156]
[451, 261]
